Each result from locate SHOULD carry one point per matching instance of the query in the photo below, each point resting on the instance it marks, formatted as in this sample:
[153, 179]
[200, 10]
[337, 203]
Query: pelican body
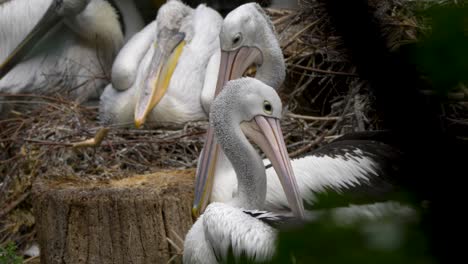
[244, 108]
[51, 46]
[161, 74]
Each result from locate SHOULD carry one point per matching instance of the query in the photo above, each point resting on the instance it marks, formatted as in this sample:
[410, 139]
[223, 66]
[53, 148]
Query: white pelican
[245, 108]
[51, 45]
[161, 74]
[248, 38]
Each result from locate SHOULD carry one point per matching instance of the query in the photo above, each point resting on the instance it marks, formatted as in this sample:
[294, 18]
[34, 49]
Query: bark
[116, 221]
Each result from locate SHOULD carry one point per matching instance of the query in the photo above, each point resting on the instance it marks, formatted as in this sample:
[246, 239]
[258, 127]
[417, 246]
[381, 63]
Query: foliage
[8, 255]
[357, 233]
[325, 241]
[442, 55]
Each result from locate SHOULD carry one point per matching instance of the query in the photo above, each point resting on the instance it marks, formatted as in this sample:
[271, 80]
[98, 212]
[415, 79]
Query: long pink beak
[270, 139]
[232, 66]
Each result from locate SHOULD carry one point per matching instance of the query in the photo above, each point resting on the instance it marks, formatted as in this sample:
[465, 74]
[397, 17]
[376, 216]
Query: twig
[298, 34]
[31, 259]
[173, 244]
[177, 236]
[333, 137]
[358, 113]
[49, 98]
[282, 19]
[309, 146]
[92, 142]
[43, 142]
[330, 132]
[280, 12]
[321, 71]
[12, 205]
[313, 118]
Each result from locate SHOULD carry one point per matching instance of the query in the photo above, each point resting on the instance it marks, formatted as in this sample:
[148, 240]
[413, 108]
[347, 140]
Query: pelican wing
[348, 171]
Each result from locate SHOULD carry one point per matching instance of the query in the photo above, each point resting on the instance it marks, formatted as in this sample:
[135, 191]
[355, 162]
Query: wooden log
[114, 221]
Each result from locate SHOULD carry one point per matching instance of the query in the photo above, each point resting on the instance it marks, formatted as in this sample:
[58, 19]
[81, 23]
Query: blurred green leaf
[379, 242]
[356, 238]
[8, 255]
[443, 54]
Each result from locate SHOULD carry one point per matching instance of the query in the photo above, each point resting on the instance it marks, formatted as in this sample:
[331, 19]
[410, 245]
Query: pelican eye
[267, 108]
[237, 38]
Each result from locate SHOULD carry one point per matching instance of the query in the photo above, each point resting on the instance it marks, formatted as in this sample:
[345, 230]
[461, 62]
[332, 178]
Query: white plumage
[223, 228]
[314, 173]
[252, 26]
[251, 200]
[245, 108]
[76, 55]
[192, 77]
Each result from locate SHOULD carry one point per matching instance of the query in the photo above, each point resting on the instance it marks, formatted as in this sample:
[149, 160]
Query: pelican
[248, 39]
[244, 108]
[245, 224]
[51, 45]
[163, 71]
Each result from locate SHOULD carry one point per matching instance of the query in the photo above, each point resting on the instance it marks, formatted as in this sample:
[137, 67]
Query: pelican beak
[205, 174]
[159, 72]
[233, 65]
[266, 133]
[50, 18]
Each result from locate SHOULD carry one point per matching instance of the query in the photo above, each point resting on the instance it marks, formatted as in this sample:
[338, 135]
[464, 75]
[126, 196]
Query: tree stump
[114, 221]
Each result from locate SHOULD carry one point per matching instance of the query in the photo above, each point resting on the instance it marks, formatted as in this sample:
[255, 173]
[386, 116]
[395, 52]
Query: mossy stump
[115, 221]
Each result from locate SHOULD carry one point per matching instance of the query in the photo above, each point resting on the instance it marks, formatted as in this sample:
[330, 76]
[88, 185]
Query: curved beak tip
[195, 212]
[139, 122]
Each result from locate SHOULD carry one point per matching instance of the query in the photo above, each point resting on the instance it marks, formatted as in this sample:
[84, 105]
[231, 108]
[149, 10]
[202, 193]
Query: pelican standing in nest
[244, 108]
[163, 71]
[51, 46]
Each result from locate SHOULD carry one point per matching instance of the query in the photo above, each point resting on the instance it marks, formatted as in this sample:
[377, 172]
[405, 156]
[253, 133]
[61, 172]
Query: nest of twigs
[55, 137]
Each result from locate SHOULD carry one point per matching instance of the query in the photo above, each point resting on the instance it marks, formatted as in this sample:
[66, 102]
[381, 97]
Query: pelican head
[171, 14]
[248, 39]
[249, 108]
[170, 40]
